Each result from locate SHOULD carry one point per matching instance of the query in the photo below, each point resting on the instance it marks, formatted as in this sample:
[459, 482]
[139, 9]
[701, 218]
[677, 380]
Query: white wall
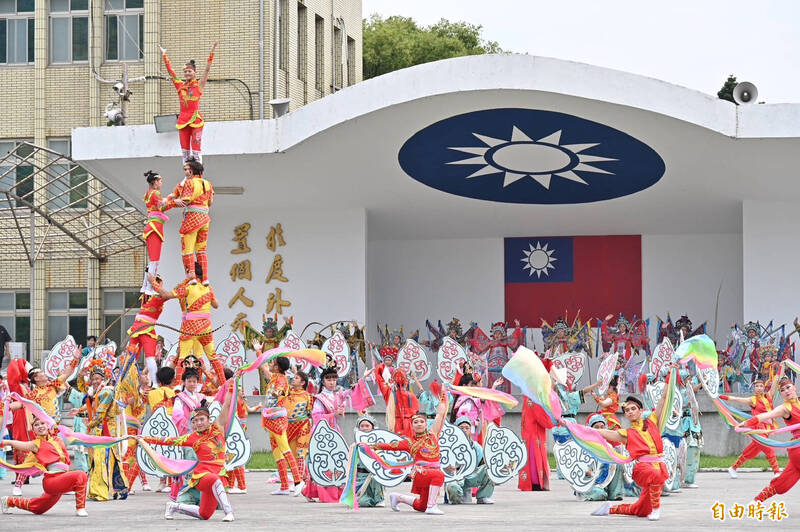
[411, 280]
[771, 256]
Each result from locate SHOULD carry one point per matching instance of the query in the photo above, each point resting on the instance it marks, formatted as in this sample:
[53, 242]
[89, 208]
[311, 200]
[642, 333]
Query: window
[69, 31]
[337, 58]
[16, 32]
[15, 316]
[302, 41]
[351, 61]
[20, 181]
[67, 314]
[115, 302]
[124, 30]
[283, 35]
[71, 190]
[319, 53]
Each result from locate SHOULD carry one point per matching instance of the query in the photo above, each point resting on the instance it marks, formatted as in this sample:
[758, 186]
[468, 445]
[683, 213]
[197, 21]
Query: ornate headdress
[499, 326]
[270, 323]
[454, 325]
[768, 349]
[369, 419]
[622, 321]
[560, 325]
[684, 321]
[389, 351]
[595, 418]
[752, 326]
[98, 367]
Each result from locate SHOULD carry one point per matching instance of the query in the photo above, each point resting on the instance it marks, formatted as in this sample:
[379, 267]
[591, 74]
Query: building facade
[58, 62]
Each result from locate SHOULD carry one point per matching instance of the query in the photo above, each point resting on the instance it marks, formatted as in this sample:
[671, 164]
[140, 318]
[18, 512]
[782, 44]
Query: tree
[399, 42]
[726, 92]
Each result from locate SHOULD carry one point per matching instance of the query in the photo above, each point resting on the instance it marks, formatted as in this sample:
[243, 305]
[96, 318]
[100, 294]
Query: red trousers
[146, 344]
[154, 243]
[651, 477]
[752, 450]
[55, 485]
[208, 502]
[191, 137]
[786, 480]
[422, 484]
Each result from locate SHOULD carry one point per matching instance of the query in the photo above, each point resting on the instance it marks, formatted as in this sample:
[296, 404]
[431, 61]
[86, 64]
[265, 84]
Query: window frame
[72, 202]
[117, 13]
[118, 331]
[67, 313]
[14, 314]
[319, 53]
[15, 142]
[302, 42]
[70, 14]
[30, 35]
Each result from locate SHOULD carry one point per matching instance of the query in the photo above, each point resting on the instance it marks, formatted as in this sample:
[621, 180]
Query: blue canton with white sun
[529, 156]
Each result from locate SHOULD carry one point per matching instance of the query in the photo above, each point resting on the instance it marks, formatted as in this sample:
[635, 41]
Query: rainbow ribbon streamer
[17, 468]
[34, 409]
[670, 389]
[699, 348]
[168, 466]
[527, 372]
[487, 394]
[792, 365]
[733, 416]
[591, 441]
[349, 497]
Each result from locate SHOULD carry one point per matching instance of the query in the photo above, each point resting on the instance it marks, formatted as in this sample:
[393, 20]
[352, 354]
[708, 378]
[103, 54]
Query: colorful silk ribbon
[349, 497]
[699, 348]
[595, 444]
[527, 372]
[487, 394]
[670, 389]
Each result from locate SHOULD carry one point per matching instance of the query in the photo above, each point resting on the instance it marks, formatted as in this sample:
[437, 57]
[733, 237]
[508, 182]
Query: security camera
[119, 88]
[114, 115]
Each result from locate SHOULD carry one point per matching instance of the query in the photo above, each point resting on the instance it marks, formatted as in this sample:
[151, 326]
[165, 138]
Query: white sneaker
[393, 502]
[676, 490]
[165, 489]
[228, 518]
[4, 505]
[298, 488]
[235, 491]
[282, 492]
[691, 486]
[146, 487]
[16, 491]
[732, 473]
[654, 515]
[131, 492]
[603, 510]
[161, 486]
[381, 504]
[82, 512]
[169, 510]
[434, 510]
[485, 500]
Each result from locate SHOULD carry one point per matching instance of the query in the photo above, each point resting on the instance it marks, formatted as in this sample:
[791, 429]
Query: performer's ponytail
[151, 176]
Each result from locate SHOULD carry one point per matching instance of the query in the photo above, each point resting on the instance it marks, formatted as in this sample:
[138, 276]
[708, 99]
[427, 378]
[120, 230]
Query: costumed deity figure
[478, 411]
[460, 491]
[274, 419]
[298, 430]
[370, 492]
[643, 442]
[454, 331]
[207, 440]
[498, 349]
[47, 453]
[759, 403]
[680, 330]
[743, 348]
[789, 411]
[44, 393]
[570, 405]
[730, 373]
[106, 480]
[129, 394]
[401, 403]
[142, 333]
[563, 338]
[195, 194]
[535, 475]
[358, 348]
[690, 427]
[154, 227]
[328, 404]
[190, 90]
[624, 337]
[427, 476]
[768, 355]
[613, 490]
[608, 404]
[269, 337]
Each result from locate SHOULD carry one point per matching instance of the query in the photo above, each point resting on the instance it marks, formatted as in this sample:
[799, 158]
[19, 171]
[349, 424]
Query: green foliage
[399, 42]
[261, 460]
[726, 92]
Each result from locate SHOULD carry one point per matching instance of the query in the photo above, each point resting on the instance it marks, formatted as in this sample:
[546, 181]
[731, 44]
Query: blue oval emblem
[529, 156]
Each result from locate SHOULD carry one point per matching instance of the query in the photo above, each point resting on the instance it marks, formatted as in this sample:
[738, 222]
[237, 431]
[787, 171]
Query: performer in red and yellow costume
[789, 411]
[401, 404]
[423, 446]
[142, 333]
[643, 442]
[130, 394]
[298, 408]
[154, 228]
[195, 194]
[47, 453]
[759, 403]
[608, 405]
[190, 90]
[274, 419]
[208, 442]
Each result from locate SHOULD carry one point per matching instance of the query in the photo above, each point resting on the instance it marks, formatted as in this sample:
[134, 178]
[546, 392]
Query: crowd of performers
[113, 395]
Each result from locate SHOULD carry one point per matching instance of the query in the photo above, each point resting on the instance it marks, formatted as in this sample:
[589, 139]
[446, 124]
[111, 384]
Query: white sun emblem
[538, 159]
[538, 260]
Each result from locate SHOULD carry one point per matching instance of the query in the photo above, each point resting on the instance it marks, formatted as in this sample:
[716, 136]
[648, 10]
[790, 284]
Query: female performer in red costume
[789, 411]
[154, 228]
[47, 453]
[608, 405]
[423, 446]
[401, 404]
[190, 90]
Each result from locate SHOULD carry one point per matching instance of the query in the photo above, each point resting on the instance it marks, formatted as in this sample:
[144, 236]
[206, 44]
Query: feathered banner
[595, 444]
[487, 394]
[699, 348]
[349, 497]
[527, 372]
